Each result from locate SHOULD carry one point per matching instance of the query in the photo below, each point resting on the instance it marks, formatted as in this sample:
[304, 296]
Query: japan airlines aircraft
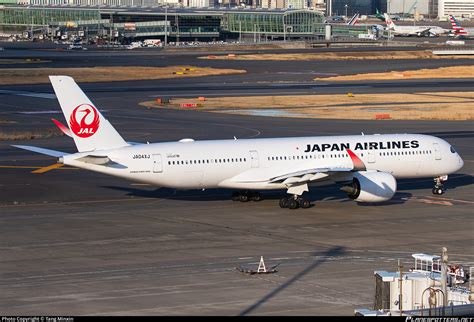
[366, 166]
[413, 30]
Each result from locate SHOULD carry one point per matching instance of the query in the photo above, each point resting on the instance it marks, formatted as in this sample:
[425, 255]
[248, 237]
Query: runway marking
[32, 167]
[450, 199]
[29, 94]
[73, 202]
[429, 201]
[48, 168]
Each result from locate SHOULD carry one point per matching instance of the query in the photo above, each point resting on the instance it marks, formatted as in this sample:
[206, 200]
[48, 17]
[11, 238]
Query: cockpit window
[452, 150]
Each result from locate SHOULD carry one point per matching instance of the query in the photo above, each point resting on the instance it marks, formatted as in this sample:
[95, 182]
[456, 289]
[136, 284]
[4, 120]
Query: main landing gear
[438, 188]
[294, 202]
[244, 196]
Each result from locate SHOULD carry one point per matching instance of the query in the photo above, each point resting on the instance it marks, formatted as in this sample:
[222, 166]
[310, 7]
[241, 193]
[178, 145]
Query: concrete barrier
[453, 52]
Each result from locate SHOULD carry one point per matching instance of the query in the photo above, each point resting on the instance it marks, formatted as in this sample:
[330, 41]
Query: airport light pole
[388, 13]
[400, 281]
[345, 6]
[240, 30]
[444, 277]
[166, 24]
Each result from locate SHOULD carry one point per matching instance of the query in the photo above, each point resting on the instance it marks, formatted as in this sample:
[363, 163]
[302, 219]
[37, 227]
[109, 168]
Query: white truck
[152, 43]
[367, 36]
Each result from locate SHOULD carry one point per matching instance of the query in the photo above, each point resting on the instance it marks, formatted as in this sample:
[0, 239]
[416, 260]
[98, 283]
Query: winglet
[358, 163]
[62, 127]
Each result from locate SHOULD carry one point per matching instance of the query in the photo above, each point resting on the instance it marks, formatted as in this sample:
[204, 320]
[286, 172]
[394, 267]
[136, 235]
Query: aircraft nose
[461, 162]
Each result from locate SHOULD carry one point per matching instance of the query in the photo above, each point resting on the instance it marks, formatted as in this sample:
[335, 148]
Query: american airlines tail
[353, 20]
[89, 129]
[456, 26]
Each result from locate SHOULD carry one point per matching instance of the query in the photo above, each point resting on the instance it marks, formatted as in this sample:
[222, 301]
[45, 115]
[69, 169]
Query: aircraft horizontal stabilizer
[52, 153]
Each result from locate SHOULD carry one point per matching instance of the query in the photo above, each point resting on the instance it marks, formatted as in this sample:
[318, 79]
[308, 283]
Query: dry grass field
[442, 72]
[13, 76]
[399, 106]
[362, 55]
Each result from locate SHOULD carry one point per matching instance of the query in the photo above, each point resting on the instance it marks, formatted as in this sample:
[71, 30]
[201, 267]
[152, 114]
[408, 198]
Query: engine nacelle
[371, 186]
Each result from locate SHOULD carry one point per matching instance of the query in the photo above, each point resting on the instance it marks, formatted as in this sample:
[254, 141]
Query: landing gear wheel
[293, 204]
[438, 191]
[304, 203]
[256, 196]
[243, 197]
[284, 203]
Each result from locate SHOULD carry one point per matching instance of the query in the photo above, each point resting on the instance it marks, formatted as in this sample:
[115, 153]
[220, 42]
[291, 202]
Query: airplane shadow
[321, 258]
[316, 194]
[454, 181]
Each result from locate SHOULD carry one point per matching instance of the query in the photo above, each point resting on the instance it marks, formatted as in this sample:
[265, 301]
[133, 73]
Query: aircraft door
[254, 159]
[437, 153]
[157, 163]
[371, 156]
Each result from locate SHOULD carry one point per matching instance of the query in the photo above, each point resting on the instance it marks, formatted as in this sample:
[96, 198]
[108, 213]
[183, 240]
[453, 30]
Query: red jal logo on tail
[84, 120]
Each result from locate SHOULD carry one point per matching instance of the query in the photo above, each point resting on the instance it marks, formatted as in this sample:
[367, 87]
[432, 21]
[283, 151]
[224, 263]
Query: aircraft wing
[301, 176]
[308, 175]
[419, 31]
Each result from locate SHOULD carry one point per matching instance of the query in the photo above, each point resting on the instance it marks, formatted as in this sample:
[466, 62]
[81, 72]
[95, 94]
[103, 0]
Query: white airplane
[366, 166]
[414, 30]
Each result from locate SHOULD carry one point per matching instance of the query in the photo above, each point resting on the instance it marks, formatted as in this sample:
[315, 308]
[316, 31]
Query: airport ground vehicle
[365, 166]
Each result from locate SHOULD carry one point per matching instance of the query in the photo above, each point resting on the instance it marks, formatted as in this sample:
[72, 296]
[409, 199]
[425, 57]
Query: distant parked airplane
[459, 31]
[382, 17]
[413, 30]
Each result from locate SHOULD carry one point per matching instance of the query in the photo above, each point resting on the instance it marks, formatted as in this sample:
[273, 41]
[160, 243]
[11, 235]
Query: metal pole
[166, 24]
[240, 31]
[388, 13]
[414, 16]
[400, 281]
[177, 29]
[98, 21]
[254, 33]
[444, 277]
[110, 28]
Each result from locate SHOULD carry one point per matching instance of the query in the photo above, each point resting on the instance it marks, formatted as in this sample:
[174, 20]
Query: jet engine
[370, 186]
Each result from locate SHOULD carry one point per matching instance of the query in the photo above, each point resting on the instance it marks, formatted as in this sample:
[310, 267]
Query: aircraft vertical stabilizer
[89, 129]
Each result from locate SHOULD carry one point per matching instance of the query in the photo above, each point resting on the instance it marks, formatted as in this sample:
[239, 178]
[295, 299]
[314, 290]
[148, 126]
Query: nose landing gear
[294, 202]
[438, 188]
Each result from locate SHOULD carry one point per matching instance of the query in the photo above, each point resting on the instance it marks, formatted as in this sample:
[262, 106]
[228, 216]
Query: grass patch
[442, 72]
[362, 55]
[400, 106]
[10, 76]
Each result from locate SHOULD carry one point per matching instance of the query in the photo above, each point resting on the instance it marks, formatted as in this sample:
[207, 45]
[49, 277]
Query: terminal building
[173, 23]
[457, 8]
